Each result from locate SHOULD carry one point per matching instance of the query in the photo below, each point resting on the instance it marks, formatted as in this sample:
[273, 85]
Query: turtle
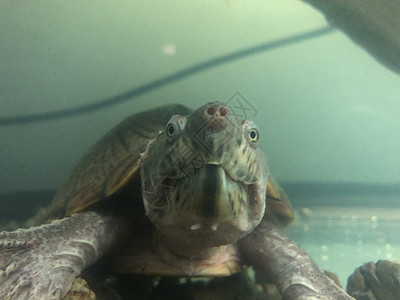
[170, 192]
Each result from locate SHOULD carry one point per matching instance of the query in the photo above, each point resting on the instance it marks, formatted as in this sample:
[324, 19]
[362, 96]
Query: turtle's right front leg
[42, 262]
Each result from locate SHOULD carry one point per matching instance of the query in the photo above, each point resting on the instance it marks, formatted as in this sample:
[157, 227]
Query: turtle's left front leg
[296, 275]
[42, 262]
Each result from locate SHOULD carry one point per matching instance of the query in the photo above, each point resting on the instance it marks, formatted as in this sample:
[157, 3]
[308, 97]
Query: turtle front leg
[296, 275]
[42, 262]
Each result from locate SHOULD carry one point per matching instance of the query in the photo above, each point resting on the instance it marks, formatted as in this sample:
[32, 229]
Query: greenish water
[343, 226]
[340, 239]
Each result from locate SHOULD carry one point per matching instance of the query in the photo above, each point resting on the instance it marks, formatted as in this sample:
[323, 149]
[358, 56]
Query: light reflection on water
[340, 239]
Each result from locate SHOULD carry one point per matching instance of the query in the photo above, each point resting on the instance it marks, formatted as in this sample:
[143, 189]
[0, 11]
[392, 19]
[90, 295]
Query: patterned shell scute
[111, 162]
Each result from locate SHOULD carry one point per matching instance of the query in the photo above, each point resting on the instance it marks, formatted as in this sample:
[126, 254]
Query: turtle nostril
[223, 111]
[211, 110]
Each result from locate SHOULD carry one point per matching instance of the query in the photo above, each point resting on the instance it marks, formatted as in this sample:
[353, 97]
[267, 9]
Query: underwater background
[328, 112]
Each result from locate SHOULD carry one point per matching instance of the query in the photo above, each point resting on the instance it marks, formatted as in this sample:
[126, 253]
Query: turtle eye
[253, 135]
[170, 130]
[175, 127]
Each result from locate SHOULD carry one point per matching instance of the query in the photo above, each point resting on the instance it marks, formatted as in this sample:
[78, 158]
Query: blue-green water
[340, 239]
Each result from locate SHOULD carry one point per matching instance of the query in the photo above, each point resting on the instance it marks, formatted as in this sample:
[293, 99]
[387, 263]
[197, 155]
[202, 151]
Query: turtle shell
[113, 163]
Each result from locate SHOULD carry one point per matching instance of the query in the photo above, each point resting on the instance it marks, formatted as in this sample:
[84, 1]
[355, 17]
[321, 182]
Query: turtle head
[205, 176]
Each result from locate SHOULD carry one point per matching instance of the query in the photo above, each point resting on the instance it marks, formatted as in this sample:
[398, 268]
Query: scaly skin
[294, 272]
[42, 262]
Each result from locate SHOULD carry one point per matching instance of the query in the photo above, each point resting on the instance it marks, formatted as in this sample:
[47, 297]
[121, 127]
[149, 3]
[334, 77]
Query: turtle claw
[375, 281]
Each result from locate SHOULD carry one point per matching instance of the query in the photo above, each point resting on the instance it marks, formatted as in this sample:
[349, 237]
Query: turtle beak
[216, 201]
[211, 195]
